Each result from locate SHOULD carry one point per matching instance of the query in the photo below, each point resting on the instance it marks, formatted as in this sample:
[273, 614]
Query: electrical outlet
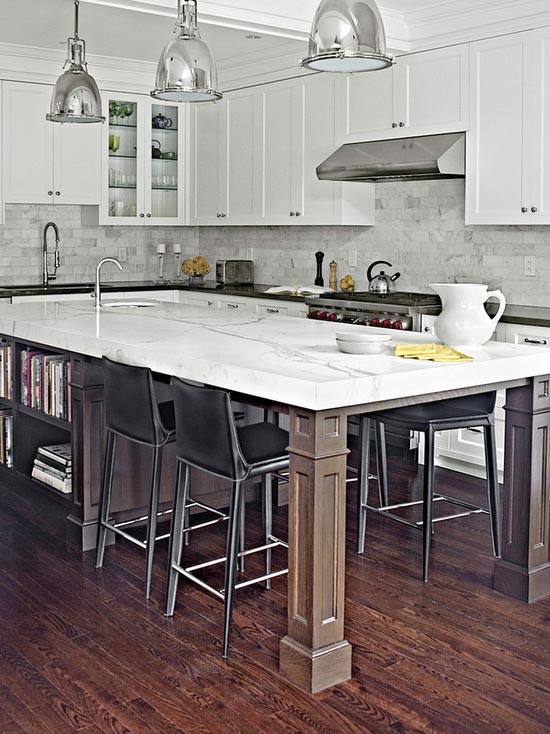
[352, 258]
[122, 254]
[249, 253]
[530, 266]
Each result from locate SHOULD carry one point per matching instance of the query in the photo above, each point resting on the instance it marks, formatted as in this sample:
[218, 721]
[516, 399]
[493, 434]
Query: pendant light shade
[76, 96]
[347, 35]
[186, 71]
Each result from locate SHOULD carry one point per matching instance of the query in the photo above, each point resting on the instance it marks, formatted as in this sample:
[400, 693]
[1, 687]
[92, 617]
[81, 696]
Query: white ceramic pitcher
[463, 320]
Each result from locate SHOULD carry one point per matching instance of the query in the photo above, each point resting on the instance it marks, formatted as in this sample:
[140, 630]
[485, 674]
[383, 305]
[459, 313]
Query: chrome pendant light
[76, 96]
[186, 71]
[347, 35]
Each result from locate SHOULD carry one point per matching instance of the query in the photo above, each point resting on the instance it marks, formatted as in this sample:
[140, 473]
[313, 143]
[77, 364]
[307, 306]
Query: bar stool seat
[132, 411]
[208, 439]
[428, 418]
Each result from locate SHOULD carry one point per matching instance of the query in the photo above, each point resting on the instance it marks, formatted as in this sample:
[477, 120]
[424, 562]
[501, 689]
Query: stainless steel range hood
[403, 159]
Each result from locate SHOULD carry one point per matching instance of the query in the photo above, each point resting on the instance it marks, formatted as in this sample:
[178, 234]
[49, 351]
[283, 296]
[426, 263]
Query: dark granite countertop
[514, 314]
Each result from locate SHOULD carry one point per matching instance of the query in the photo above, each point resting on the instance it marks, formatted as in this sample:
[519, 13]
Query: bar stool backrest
[481, 403]
[206, 435]
[130, 405]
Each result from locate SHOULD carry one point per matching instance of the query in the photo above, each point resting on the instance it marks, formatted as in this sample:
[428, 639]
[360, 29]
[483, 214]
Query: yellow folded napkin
[435, 352]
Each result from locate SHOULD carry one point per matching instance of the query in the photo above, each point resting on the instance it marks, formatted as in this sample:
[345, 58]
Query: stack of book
[53, 466]
[45, 383]
[5, 370]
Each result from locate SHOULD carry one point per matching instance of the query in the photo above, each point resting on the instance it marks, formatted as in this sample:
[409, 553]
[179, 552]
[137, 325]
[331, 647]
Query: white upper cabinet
[507, 149]
[299, 132]
[224, 165]
[254, 156]
[46, 162]
[422, 94]
[143, 161]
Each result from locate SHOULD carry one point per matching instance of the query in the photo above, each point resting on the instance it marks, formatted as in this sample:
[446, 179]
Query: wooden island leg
[314, 654]
[523, 572]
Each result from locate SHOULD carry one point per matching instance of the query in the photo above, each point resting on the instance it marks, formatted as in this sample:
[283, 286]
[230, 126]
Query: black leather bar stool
[443, 415]
[208, 439]
[132, 411]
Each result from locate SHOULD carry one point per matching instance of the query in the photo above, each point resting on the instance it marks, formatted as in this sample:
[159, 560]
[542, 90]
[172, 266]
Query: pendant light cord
[76, 4]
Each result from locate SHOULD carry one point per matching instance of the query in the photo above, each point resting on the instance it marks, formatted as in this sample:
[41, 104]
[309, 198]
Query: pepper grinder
[319, 277]
[332, 280]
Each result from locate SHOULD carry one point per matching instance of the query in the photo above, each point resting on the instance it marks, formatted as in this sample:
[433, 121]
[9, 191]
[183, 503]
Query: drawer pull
[527, 340]
[272, 310]
[232, 305]
[475, 430]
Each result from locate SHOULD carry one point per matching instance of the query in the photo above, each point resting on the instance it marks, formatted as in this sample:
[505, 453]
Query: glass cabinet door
[165, 155]
[123, 158]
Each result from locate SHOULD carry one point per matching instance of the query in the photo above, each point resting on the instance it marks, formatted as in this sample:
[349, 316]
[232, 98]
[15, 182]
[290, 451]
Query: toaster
[235, 272]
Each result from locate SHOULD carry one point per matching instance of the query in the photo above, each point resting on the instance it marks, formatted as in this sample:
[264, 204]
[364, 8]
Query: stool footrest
[386, 510]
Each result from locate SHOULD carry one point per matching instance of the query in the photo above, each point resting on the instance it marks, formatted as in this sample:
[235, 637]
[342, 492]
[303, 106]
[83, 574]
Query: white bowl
[350, 346]
[348, 336]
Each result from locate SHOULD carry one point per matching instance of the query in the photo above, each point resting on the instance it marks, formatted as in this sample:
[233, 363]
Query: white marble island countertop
[288, 360]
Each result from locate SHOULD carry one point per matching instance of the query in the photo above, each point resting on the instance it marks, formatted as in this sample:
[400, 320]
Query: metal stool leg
[267, 514]
[242, 539]
[105, 502]
[176, 536]
[493, 489]
[428, 499]
[152, 520]
[382, 463]
[363, 481]
[231, 562]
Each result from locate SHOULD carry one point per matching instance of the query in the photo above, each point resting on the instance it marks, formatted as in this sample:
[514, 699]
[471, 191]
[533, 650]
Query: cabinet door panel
[432, 91]
[27, 143]
[494, 149]
[277, 153]
[77, 164]
[537, 138]
[369, 105]
[240, 167]
[206, 155]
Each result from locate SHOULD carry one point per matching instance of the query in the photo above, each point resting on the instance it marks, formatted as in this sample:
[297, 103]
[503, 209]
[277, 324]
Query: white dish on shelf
[360, 336]
[352, 346]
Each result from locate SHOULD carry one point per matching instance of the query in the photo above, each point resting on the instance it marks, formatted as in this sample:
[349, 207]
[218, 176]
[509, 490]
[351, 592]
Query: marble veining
[289, 360]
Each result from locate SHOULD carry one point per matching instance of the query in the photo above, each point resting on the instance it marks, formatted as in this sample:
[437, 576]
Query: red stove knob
[313, 315]
[397, 324]
[386, 324]
[323, 315]
[375, 322]
[333, 317]
[363, 323]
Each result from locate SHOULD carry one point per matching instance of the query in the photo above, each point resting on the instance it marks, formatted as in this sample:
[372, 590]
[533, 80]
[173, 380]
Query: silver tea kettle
[380, 283]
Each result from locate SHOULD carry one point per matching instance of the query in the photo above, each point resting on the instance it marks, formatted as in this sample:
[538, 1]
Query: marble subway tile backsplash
[82, 246]
[419, 229]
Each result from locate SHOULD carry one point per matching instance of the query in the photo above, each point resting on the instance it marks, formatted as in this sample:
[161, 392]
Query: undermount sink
[130, 304]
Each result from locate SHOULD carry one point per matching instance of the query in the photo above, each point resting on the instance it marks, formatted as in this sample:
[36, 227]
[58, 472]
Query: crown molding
[460, 21]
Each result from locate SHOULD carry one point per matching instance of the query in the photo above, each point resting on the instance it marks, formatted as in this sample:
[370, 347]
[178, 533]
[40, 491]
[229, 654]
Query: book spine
[59, 484]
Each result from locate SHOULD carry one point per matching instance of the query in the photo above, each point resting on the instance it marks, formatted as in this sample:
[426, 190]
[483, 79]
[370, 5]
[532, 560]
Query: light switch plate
[352, 258]
[122, 254]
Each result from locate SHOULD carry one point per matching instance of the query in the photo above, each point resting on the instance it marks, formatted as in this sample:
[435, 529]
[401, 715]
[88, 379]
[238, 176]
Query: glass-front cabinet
[143, 153]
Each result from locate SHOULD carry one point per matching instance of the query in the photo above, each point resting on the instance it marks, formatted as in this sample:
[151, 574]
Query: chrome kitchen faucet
[46, 275]
[97, 290]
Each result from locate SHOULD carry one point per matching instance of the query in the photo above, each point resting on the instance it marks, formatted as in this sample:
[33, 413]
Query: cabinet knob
[50, 193]
[291, 214]
[218, 215]
[58, 193]
[142, 215]
[534, 209]
[298, 214]
[222, 215]
[401, 124]
[148, 216]
[524, 209]
[394, 124]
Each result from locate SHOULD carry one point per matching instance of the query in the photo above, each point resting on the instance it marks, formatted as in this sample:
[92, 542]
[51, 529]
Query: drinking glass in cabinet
[164, 162]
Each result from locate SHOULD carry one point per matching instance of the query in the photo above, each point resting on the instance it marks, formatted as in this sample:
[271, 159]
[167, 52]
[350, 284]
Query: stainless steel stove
[399, 310]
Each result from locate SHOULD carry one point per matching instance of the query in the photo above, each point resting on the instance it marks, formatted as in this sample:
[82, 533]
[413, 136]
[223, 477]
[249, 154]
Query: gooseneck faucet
[46, 275]
[97, 290]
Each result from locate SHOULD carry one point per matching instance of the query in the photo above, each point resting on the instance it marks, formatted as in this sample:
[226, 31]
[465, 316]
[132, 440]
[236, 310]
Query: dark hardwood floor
[81, 650]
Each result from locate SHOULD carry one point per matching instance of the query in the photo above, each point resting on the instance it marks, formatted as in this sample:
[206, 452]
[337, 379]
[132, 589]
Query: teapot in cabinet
[161, 121]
